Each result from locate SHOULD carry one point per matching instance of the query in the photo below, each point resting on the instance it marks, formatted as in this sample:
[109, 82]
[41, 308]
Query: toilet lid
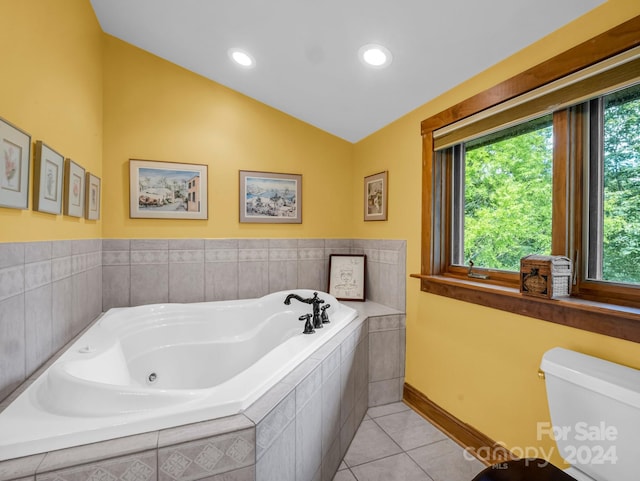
[577, 474]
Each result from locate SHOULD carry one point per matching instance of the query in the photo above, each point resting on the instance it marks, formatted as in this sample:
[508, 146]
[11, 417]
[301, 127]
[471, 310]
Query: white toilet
[595, 412]
[595, 420]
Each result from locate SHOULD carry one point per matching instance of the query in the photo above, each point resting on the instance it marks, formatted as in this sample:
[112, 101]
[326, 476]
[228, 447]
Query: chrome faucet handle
[324, 316]
[308, 328]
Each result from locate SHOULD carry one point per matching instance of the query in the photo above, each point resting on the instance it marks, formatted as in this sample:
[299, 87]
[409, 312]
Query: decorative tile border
[149, 257]
[253, 255]
[311, 254]
[283, 254]
[207, 457]
[138, 467]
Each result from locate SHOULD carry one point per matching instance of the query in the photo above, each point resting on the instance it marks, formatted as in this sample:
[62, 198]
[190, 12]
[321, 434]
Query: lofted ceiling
[306, 52]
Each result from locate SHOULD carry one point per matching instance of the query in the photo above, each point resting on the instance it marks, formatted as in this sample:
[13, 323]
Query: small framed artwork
[15, 148]
[73, 189]
[47, 179]
[167, 190]
[92, 197]
[346, 276]
[267, 197]
[375, 196]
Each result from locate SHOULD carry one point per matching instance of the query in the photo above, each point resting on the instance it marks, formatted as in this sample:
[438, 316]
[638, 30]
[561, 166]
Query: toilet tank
[595, 413]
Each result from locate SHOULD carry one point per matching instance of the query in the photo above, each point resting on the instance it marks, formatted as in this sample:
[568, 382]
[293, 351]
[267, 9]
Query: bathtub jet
[145, 368]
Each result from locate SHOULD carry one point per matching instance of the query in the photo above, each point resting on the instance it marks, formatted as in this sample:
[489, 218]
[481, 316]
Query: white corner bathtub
[145, 368]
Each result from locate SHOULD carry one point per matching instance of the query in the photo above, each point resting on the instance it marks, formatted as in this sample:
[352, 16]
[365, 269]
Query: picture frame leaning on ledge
[347, 276]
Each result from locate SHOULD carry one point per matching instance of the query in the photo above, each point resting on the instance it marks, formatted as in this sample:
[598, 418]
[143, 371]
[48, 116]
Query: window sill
[608, 319]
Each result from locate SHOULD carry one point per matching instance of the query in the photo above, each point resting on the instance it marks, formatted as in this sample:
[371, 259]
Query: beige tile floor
[394, 443]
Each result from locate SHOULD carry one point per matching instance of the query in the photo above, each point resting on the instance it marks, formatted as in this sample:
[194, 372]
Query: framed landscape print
[73, 189]
[375, 196]
[92, 197]
[347, 276]
[47, 179]
[167, 190]
[267, 197]
[15, 152]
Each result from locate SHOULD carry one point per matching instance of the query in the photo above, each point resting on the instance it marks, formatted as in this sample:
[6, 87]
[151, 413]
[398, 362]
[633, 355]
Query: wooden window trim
[500, 293]
[608, 319]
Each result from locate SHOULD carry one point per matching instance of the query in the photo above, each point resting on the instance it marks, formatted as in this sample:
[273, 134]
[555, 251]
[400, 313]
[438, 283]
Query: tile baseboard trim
[480, 445]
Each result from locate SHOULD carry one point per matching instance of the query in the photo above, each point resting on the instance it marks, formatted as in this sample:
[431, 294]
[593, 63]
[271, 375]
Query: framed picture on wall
[375, 196]
[15, 149]
[73, 189]
[167, 190]
[92, 197]
[347, 276]
[47, 179]
[267, 197]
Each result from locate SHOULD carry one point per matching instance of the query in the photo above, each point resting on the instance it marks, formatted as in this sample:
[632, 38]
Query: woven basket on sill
[548, 277]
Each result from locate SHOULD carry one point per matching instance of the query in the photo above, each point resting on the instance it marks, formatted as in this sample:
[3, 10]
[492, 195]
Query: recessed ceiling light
[374, 55]
[241, 57]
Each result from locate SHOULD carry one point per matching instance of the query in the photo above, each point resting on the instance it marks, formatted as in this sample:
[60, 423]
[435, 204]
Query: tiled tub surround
[298, 431]
[140, 271]
[49, 291]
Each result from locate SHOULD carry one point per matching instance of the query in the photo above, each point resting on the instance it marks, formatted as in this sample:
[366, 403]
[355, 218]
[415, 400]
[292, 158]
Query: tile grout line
[402, 451]
[406, 452]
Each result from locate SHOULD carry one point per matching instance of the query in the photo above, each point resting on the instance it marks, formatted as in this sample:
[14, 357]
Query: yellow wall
[478, 363]
[51, 87]
[155, 110]
[65, 71]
